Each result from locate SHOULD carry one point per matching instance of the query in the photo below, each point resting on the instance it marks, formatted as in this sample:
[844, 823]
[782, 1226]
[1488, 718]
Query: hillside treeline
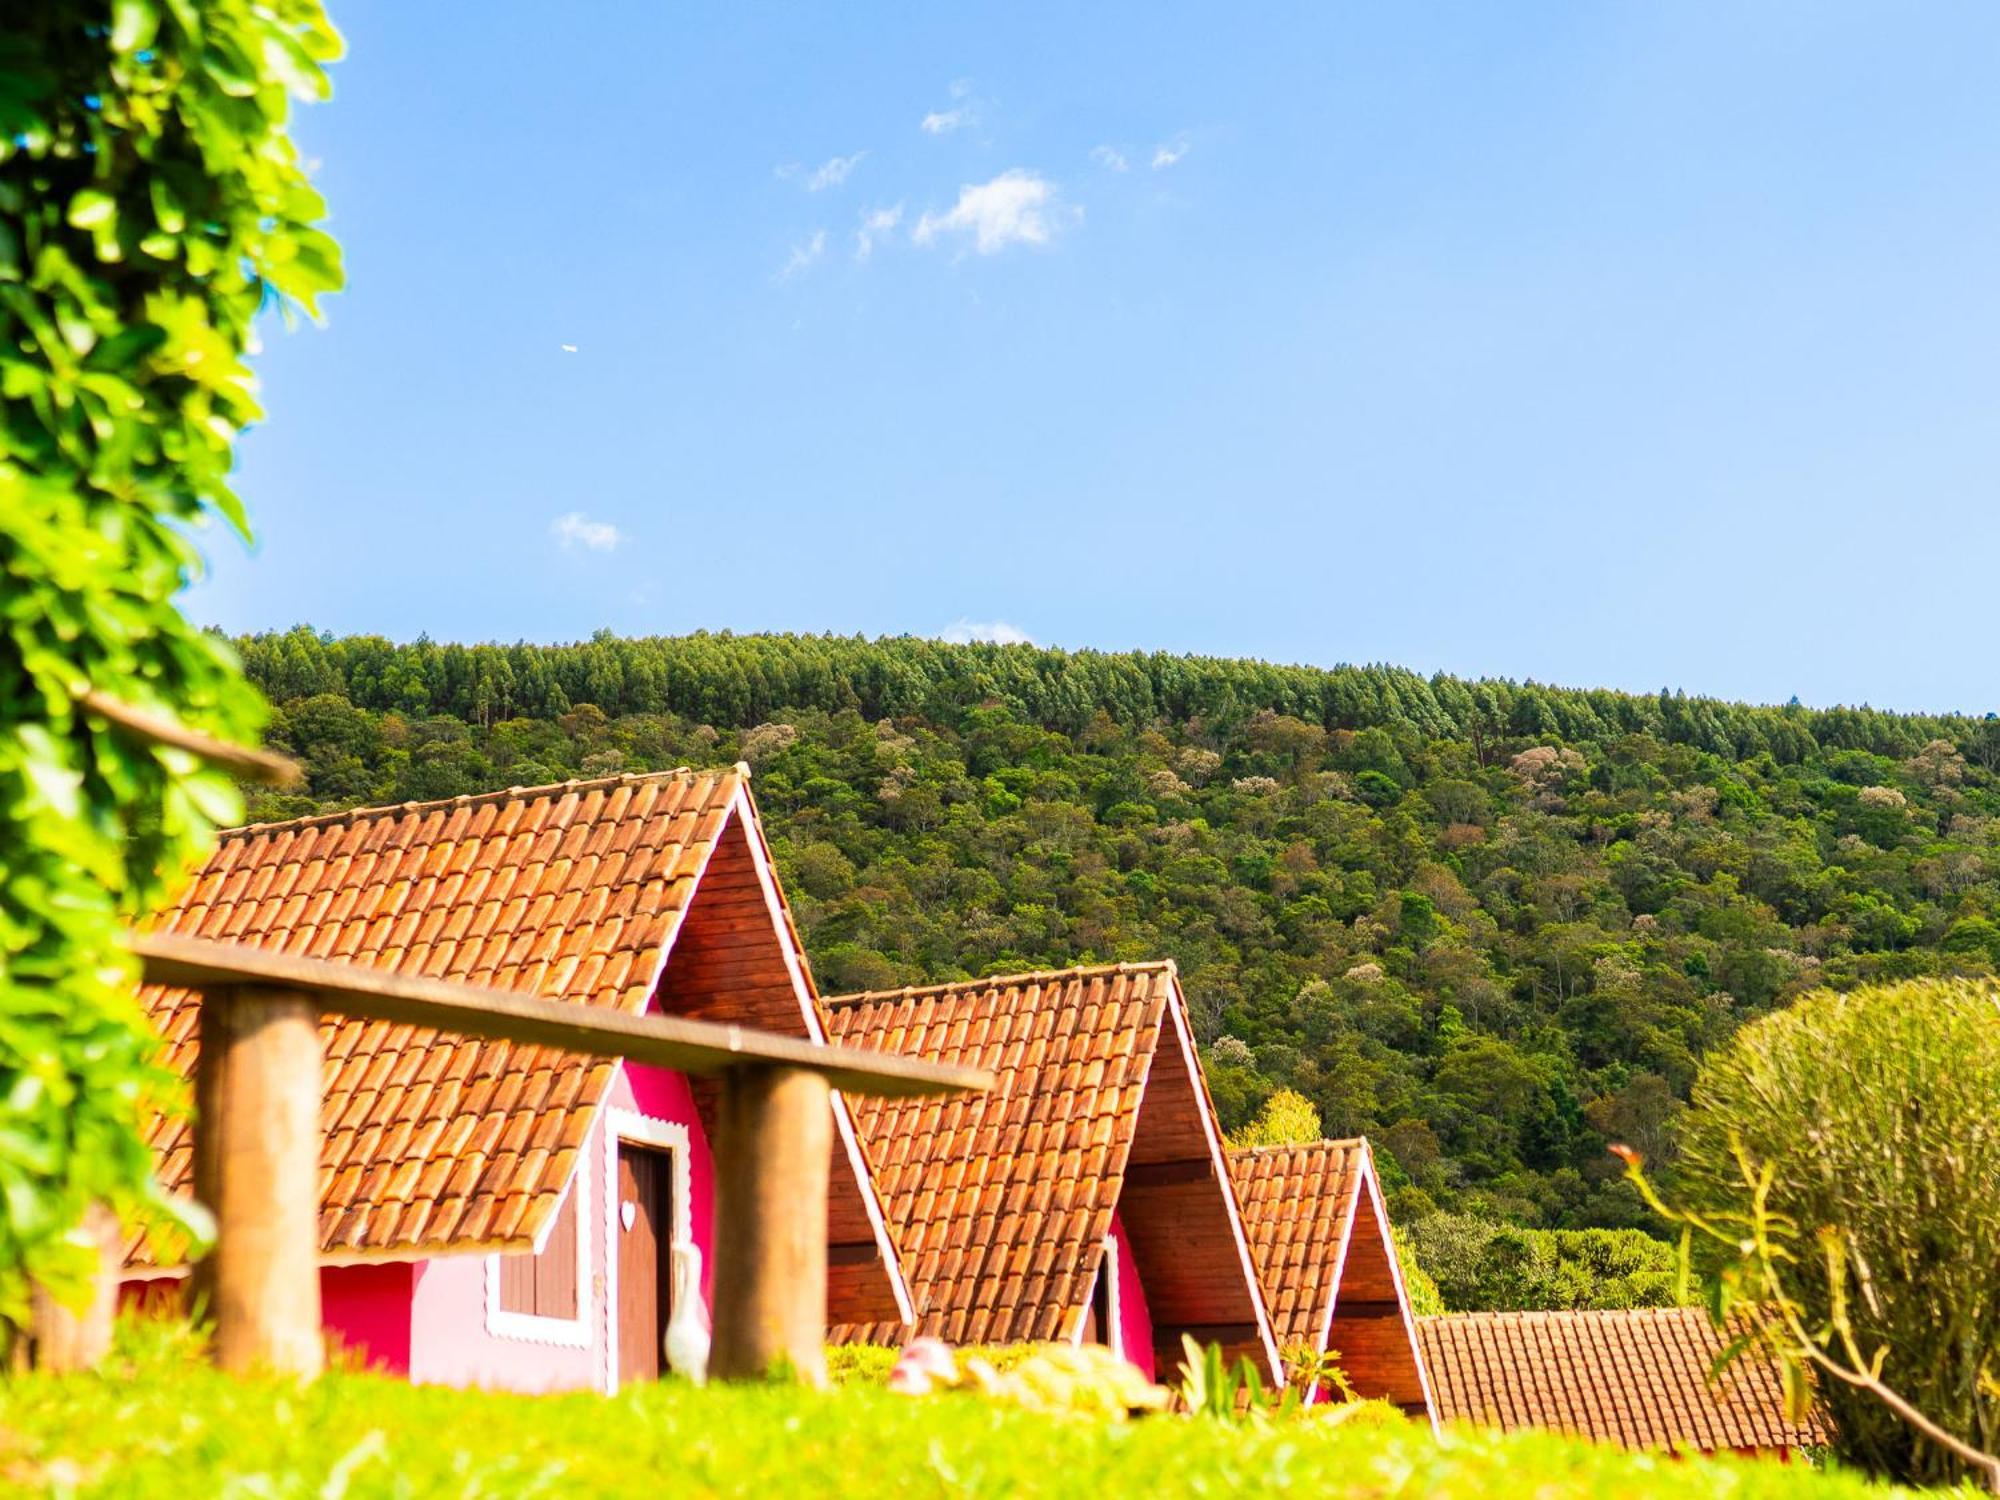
[1493, 925]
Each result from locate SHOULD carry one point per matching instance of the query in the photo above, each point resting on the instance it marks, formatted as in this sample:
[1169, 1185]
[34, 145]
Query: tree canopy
[1492, 925]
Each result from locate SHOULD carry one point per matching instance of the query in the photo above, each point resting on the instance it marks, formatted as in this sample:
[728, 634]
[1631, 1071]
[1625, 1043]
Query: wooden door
[643, 1222]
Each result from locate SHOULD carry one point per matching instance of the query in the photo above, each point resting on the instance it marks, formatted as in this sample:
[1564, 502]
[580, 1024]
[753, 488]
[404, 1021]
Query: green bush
[1879, 1111]
[151, 205]
[159, 1427]
[1480, 1266]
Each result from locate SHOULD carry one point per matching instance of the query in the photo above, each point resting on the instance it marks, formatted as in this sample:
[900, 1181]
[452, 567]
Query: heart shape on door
[628, 1212]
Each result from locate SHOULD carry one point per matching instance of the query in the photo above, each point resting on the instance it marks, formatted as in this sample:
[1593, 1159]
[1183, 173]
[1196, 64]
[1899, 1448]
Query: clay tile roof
[1635, 1377]
[1001, 1201]
[1298, 1207]
[434, 1141]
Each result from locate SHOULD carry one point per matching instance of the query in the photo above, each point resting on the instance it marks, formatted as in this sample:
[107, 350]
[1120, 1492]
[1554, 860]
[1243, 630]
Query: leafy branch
[1763, 1242]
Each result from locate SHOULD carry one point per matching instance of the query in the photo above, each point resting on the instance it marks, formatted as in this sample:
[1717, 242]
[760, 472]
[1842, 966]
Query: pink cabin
[1085, 1198]
[504, 1215]
[1320, 1235]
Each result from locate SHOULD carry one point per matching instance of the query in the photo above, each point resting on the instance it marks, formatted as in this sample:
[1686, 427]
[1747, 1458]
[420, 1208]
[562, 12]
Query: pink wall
[1135, 1318]
[367, 1310]
[450, 1343]
[428, 1318]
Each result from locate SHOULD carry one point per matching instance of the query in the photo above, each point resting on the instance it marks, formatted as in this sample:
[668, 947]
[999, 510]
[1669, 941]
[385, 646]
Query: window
[545, 1298]
[1100, 1323]
[544, 1285]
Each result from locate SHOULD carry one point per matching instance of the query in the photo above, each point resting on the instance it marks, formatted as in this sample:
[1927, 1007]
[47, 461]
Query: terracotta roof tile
[1002, 1200]
[1636, 1377]
[1298, 1206]
[413, 889]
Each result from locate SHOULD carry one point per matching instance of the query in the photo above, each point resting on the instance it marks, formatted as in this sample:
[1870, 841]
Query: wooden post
[256, 1159]
[63, 1338]
[774, 1139]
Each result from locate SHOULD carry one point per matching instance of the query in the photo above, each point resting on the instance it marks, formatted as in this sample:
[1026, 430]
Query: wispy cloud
[1016, 208]
[962, 111]
[996, 632]
[578, 530]
[1168, 152]
[803, 256]
[877, 224]
[1109, 157]
[833, 173]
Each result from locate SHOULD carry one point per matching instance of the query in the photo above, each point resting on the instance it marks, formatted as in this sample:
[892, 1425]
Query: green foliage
[1476, 1265]
[859, 1364]
[150, 205]
[1419, 1286]
[160, 1430]
[1518, 957]
[1287, 1119]
[1875, 1115]
[1213, 1388]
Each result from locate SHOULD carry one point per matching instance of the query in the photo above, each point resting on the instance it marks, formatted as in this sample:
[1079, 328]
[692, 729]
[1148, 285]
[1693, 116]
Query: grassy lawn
[160, 1424]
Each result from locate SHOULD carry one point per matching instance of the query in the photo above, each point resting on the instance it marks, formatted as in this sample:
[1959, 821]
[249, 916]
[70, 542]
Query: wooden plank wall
[1176, 1214]
[1368, 1329]
[727, 965]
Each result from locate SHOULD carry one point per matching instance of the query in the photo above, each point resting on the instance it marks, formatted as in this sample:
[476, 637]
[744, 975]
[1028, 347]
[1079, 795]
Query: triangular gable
[736, 959]
[1002, 1200]
[581, 891]
[1320, 1235]
[1187, 1233]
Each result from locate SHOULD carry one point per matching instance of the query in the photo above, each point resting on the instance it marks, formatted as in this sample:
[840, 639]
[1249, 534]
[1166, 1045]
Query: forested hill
[1490, 924]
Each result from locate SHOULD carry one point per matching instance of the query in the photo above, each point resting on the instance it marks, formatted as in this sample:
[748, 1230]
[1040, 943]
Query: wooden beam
[773, 1143]
[1358, 1311]
[259, 1144]
[160, 729]
[1168, 1336]
[662, 1041]
[1151, 1174]
[853, 1253]
[64, 1338]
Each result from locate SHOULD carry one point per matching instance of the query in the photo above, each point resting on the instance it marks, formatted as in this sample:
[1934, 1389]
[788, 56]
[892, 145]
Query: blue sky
[1616, 345]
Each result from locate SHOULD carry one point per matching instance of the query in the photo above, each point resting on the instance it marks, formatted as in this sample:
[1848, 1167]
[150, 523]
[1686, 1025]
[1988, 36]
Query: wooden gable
[736, 961]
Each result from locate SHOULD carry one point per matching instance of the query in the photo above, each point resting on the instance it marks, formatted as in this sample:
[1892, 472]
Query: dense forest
[1493, 925]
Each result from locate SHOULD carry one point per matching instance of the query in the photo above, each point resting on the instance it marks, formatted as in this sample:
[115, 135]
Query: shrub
[1481, 1266]
[1879, 1114]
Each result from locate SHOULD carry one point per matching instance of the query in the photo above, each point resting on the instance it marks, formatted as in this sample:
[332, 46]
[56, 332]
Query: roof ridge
[1527, 1314]
[475, 799]
[1352, 1142]
[1001, 981]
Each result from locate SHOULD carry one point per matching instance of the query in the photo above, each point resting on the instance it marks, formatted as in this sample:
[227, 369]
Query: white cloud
[1016, 208]
[569, 348]
[997, 632]
[1168, 152]
[963, 111]
[578, 530]
[834, 173]
[804, 255]
[876, 226]
[1109, 157]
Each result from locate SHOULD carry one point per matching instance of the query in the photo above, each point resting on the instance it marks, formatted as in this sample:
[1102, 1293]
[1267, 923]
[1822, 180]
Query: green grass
[159, 1424]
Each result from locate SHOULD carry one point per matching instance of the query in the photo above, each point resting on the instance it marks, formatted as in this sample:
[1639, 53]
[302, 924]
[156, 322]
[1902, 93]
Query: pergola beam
[504, 1015]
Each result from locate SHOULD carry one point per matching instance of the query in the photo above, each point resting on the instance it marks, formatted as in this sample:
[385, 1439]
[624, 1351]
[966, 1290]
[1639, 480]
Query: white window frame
[1113, 1335]
[534, 1328]
[622, 1125]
